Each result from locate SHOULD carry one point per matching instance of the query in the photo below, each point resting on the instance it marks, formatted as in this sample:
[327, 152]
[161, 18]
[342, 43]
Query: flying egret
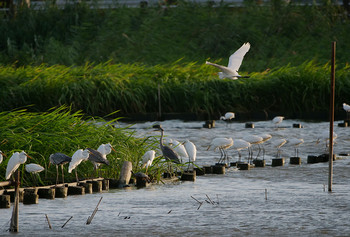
[228, 117]
[179, 148]
[96, 159]
[59, 159]
[277, 120]
[191, 151]
[222, 144]
[78, 156]
[240, 144]
[295, 142]
[147, 159]
[234, 63]
[168, 153]
[14, 162]
[346, 107]
[278, 144]
[34, 169]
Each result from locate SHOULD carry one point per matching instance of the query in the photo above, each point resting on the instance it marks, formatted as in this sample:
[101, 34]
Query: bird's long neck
[161, 137]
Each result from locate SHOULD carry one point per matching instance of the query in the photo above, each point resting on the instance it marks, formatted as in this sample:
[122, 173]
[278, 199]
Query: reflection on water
[274, 201]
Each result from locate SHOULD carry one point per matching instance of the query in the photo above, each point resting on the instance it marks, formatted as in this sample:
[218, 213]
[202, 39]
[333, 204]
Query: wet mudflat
[291, 200]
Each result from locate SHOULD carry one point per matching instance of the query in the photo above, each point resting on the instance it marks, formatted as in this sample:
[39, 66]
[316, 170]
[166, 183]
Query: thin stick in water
[209, 199]
[48, 221]
[265, 193]
[93, 213]
[66, 222]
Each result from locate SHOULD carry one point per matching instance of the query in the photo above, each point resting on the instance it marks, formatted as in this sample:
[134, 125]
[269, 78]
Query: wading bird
[234, 63]
[15, 161]
[295, 142]
[222, 144]
[191, 151]
[324, 136]
[147, 159]
[59, 159]
[78, 156]
[346, 107]
[228, 117]
[240, 144]
[2, 156]
[34, 169]
[179, 148]
[265, 137]
[254, 140]
[168, 153]
[104, 149]
[277, 120]
[278, 144]
[97, 159]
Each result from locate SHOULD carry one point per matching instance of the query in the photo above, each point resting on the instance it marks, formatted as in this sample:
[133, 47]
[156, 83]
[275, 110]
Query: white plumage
[78, 156]
[147, 158]
[346, 107]
[179, 148]
[295, 142]
[15, 161]
[240, 144]
[234, 63]
[228, 116]
[34, 168]
[1, 157]
[222, 144]
[277, 120]
[191, 150]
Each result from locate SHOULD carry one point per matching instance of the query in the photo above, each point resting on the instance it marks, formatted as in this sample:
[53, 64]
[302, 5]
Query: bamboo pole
[159, 104]
[331, 111]
[93, 213]
[14, 218]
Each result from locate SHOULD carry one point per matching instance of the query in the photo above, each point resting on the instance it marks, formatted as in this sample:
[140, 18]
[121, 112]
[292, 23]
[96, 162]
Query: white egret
[59, 159]
[191, 151]
[34, 169]
[278, 144]
[180, 149]
[228, 117]
[15, 161]
[265, 138]
[147, 159]
[78, 156]
[346, 107]
[222, 144]
[234, 63]
[277, 120]
[324, 136]
[254, 140]
[104, 149]
[2, 156]
[295, 142]
[240, 144]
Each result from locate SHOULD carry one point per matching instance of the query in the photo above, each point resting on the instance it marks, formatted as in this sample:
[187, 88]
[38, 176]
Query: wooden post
[125, 174]
[331, 111]
[159, 104]
[14, 218]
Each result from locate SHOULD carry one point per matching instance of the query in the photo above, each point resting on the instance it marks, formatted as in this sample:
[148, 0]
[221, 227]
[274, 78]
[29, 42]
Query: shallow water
[291, 200]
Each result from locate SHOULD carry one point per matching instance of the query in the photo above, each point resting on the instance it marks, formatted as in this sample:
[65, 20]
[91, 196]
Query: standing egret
[295, 142]
[78, 156]
[278, 144]
[222, 144]
[346, 107]
[168, 153]
[254, 140]
[179, 148]
[15, 161]
[228, 117]
[147, 159]
[104, 149]
[324, 136]
[97, 158]
[265, 137]
[34, 169]
[234, 63]
[59, 159]
[2, 156]
[191, 151]
[240, 144]
[277, 120]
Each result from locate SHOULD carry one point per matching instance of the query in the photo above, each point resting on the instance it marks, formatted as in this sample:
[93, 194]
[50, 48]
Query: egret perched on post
[222, 144]
[265, 137]
[97, 158]
[147, 159]
[277, 120]
[104, 149]
[295, 142]
[234, 63]
[179, 148]
[59, 159]
[346, 107]
[168, 153]
[228, 117]
[278, 144]
[254, 140]
[15, 161]
[34, 169]
[78, 156]
[191, 151]
[240, 144]
[2, 156]
[324, 136]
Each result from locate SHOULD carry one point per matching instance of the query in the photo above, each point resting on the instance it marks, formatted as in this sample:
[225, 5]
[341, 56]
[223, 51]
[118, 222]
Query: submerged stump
[5, 201]
[12, 194]
[48, 193]
[96, 185]
[243, 166]
[249, 125]
[259, 163]
[199, 171]
[61, 192]
[208, 169]
[30, 197]
[188, 176]
[105, 184]
[76, 190]
[218, 169]
[277, 162]
[295, 160]
[87, 187]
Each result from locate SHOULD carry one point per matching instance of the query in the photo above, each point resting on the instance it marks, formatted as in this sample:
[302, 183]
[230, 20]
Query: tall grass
[97, 90]
[61, 130]
[280, 33]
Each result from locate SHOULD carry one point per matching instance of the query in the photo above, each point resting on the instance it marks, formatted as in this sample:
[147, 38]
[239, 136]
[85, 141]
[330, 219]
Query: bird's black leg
[56, 175]
[62, 174]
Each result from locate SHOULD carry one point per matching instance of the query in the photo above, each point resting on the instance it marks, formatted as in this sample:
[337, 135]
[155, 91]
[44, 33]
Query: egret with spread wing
[234, 63]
